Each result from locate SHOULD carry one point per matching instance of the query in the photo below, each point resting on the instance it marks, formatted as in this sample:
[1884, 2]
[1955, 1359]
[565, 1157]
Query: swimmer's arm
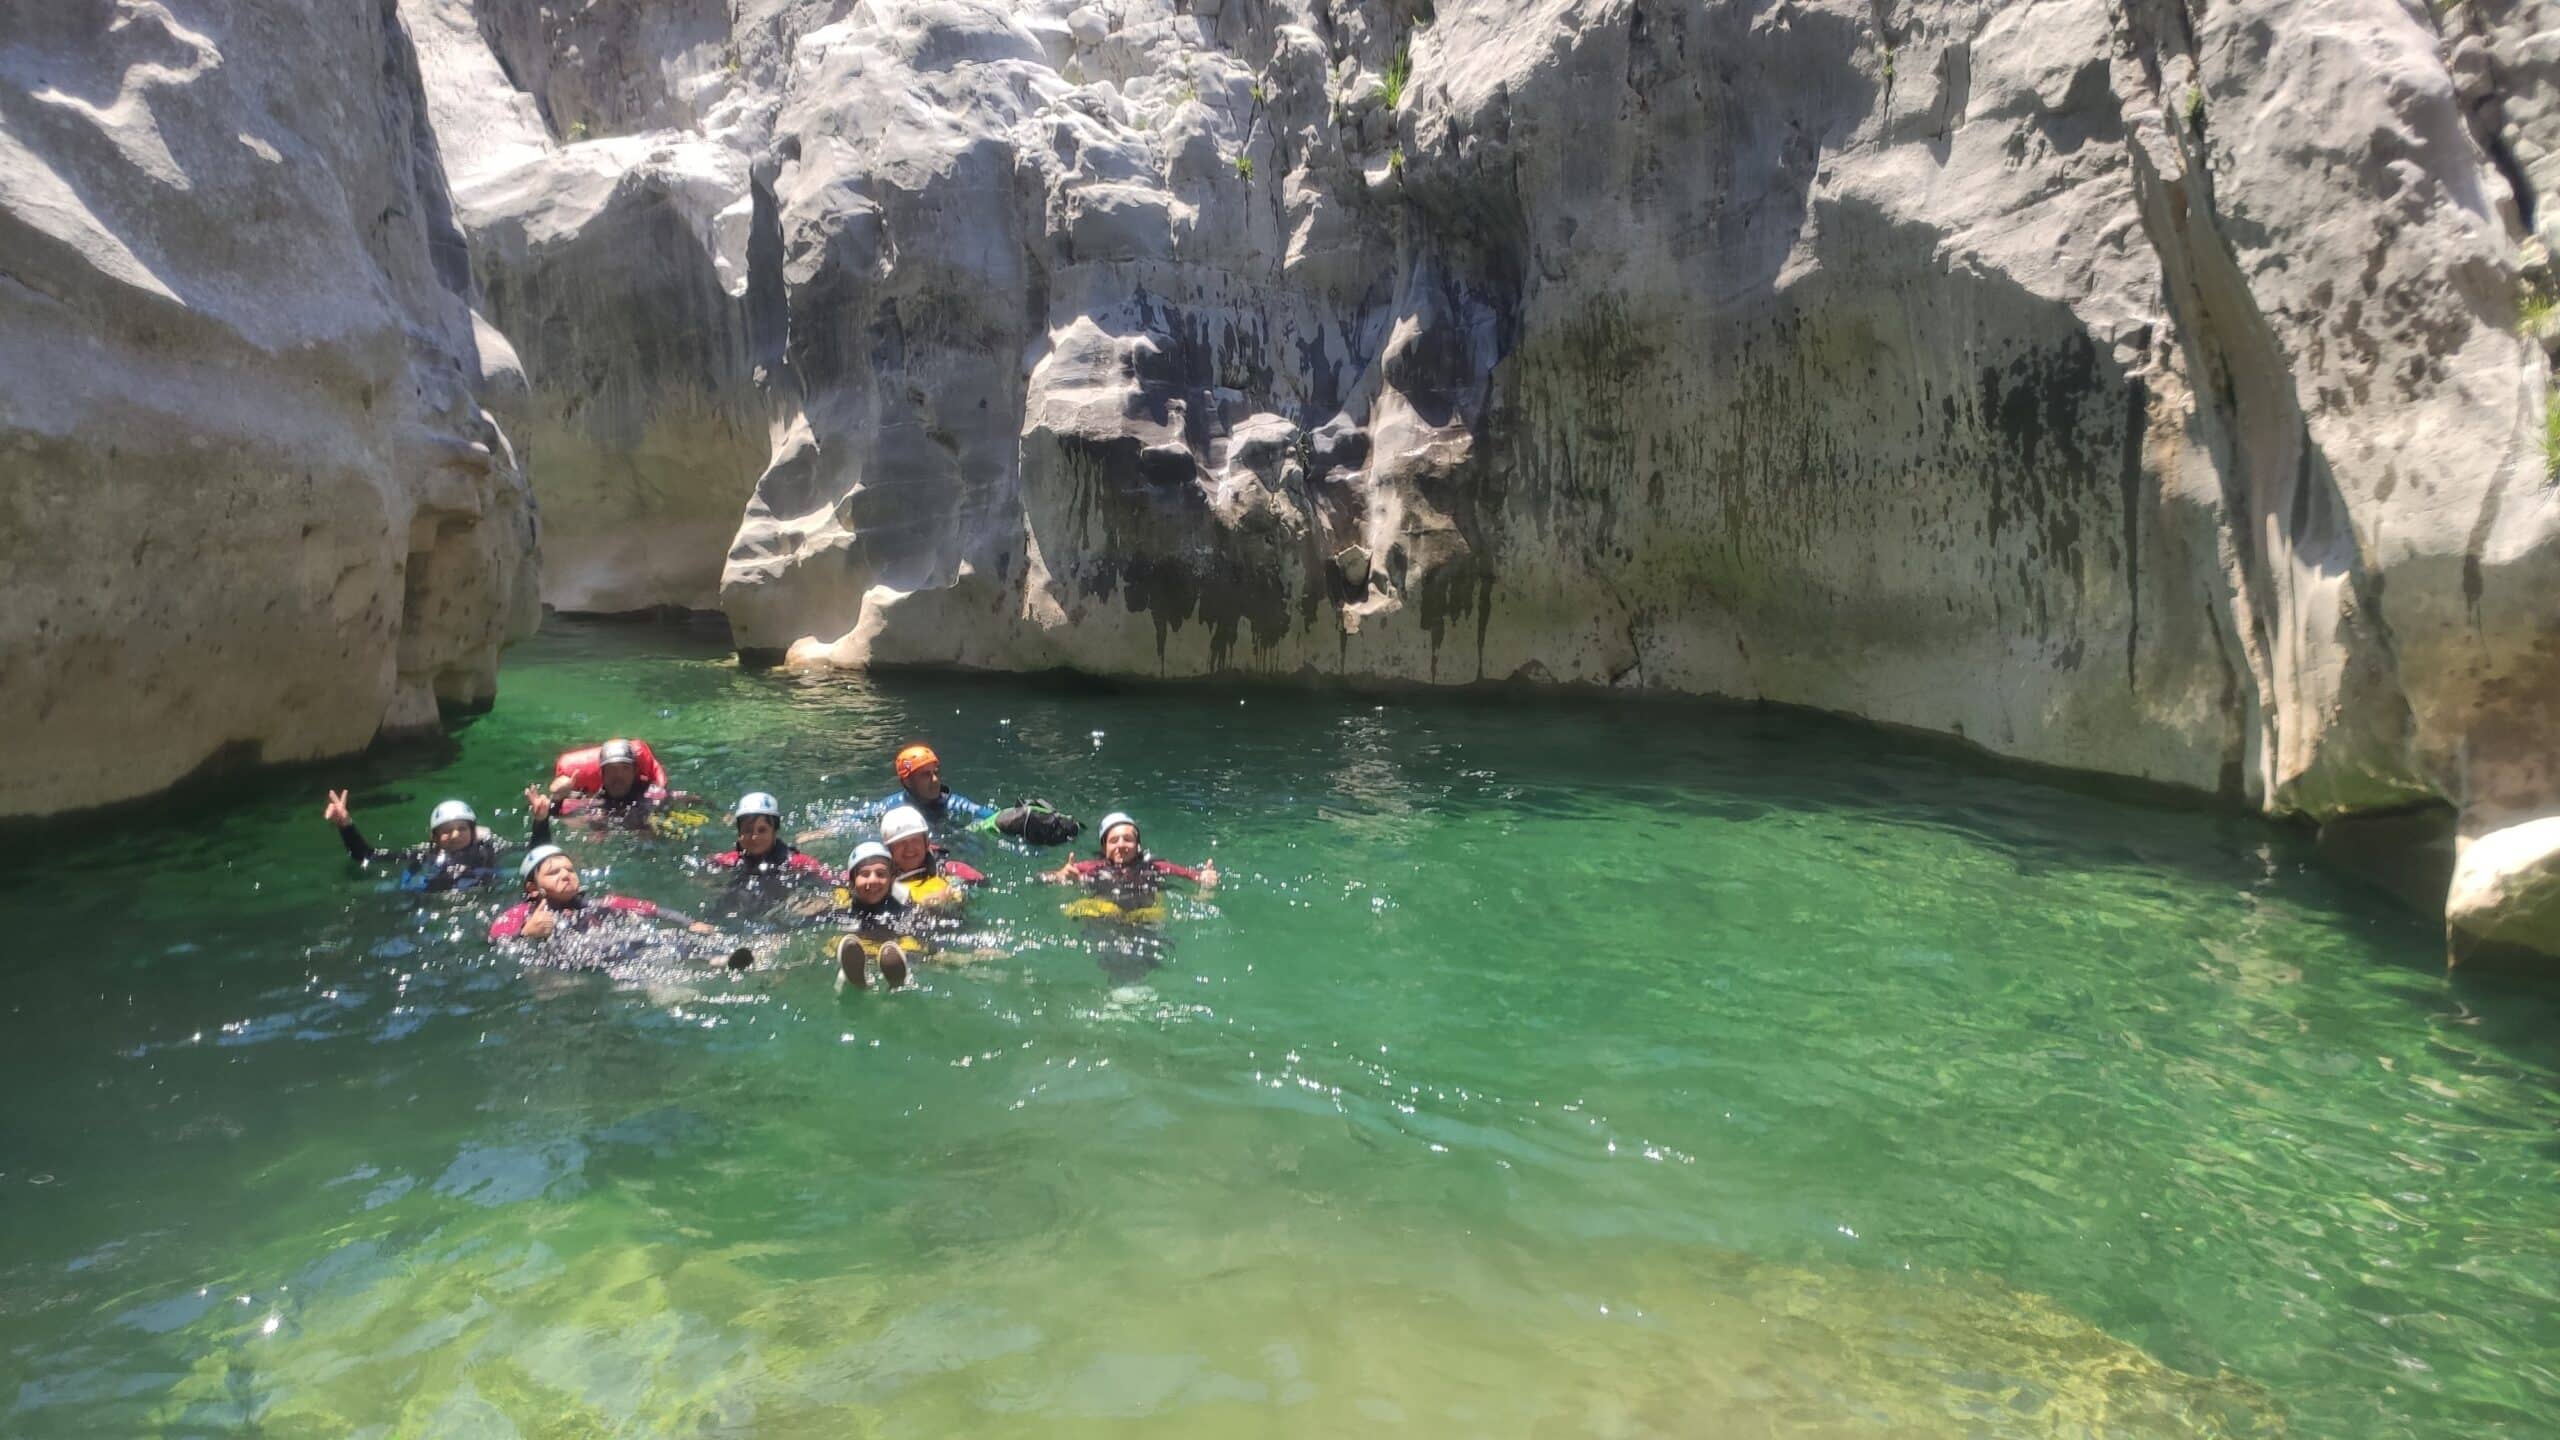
[537, 805]
[1206, 877]
[519, 922]
[650, 909]
[336, 813]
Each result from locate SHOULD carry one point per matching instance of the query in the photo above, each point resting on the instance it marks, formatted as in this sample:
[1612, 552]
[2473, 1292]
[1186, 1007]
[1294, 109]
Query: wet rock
[253, 507]
[2504, 907]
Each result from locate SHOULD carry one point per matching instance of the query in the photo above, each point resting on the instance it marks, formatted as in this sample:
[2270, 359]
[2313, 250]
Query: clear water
[1540, 1071]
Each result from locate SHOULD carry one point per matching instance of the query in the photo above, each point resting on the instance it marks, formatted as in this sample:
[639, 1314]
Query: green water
[1540, 1070]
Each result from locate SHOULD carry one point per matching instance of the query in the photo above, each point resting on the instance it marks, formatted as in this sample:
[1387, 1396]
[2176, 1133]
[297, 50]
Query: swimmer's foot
[849, 963]
[741, 958]
[893, 965]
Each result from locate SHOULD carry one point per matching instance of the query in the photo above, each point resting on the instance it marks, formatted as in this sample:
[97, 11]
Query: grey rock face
[2136, 388]
[250, 506]
[605, 203]
[2128, 390]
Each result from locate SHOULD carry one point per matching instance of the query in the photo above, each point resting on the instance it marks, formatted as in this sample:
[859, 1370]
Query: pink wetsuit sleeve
[1084, 867]
[630, 906]
[506, 926]
[963, 872]
[1167, 867]
[811, 864]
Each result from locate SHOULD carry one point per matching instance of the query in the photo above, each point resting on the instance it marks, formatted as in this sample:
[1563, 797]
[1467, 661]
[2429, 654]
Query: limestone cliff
[2140, 387]
[250, 504]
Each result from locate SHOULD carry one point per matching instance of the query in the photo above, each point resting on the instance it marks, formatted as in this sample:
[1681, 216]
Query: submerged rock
[252, 507]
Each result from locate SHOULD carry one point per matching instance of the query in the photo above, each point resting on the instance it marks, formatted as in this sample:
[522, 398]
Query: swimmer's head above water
[618, 767]
[873, 872]
[452, 825]
[1120, 842]
[549, 874]
[908, 838]
[759, 818]
[920, 771]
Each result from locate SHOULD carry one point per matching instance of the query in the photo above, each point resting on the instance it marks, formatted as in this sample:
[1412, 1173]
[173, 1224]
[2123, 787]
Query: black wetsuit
[633, 811]
[894, 918]
[432, 868]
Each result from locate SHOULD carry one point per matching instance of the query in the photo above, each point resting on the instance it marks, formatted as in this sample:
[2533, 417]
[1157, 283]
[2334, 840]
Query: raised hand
[536, 803]
[539, 924]
[336, 813]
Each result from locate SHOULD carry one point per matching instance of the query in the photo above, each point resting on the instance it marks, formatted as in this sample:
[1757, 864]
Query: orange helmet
[915, 758]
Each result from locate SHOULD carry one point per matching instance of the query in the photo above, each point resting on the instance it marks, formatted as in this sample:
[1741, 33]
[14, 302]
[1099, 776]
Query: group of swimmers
[899, 891]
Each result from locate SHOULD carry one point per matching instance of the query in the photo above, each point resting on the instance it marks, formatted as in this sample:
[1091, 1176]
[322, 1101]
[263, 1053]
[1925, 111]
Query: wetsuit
[583, 913]
[940, 873]
[941, 810]
[780, 862]
[633, 811]
[1133, 886]
[895, 918]
[432, 868]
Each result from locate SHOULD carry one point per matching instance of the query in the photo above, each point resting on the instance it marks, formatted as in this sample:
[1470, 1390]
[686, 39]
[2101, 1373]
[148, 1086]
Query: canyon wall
[2141, 388]
[251, 505]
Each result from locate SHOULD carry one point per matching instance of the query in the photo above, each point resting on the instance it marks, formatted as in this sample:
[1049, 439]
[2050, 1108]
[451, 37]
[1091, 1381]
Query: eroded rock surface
[250, 504]
[2144, 388]
[605, 203]
[2138, 389]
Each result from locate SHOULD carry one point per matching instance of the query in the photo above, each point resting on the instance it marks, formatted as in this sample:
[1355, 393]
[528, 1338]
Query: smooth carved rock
[615, 255]
[2131, 388]
[253, 509]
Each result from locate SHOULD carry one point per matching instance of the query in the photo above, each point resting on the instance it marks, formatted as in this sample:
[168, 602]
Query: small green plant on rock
[2195, 109]
[1244, 167]
[2533, 309]
[1399, 70]
[1395, 160]
[2550, 436]
[577, 131]
[1260, 95]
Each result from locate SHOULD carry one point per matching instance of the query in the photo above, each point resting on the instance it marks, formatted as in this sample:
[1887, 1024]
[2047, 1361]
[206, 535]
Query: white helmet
[533, 859]
[1113, 821]
[756, 802]
[448, 813]
[867, 850]
[902, 822]
[618, 752]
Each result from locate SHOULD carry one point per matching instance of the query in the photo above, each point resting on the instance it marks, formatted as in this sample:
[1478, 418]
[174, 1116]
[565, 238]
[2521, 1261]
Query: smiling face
[871, 881]
[454, 834]
[925, 781]
[911, 853]
[619, 777]
[756, 834]
[555, 880]
[1121, 846]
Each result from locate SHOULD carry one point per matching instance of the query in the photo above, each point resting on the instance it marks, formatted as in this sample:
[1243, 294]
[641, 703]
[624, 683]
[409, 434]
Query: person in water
[459, 854]
[920, 789]
[762, 854]
[932, 879]
[555, 902]
[621, 801]
[1126, 880]
[887, 923]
